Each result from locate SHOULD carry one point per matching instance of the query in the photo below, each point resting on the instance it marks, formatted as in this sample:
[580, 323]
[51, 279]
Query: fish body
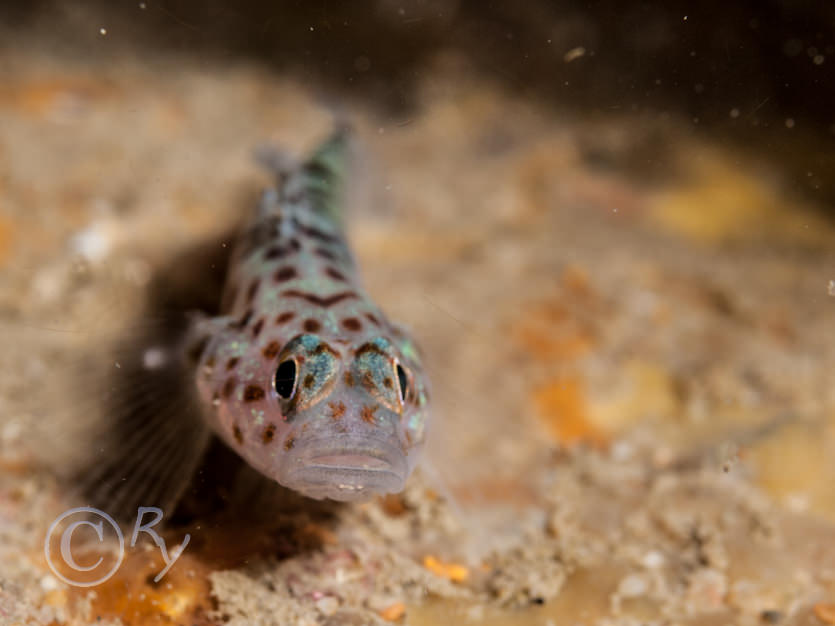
[302, 374]
[298, 371]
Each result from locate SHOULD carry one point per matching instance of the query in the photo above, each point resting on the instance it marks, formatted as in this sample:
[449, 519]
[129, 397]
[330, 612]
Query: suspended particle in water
[574, 53]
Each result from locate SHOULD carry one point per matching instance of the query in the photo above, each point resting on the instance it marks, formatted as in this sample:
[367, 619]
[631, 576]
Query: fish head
[353, 417]
[327, 417]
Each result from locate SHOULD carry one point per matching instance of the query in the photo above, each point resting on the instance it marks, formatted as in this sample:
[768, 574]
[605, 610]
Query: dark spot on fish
[256, 330]
[311, 325]
[268, 434]
[210, 362]
[337, 409]
[275, 252]
[289, 442]
[351, 323]
[369, 347]
[229, 387]
[323, 347]
[272, 350]
[335, 274]
[284, 274]
[253, 290]
[315, 233]
[238, 435]
[372, 318]
[318, 300]
[309, 381]
[367, 413]
[231, 363]
[318, 169]
[349, 379]
[388, 382]
[284, 317]
[241, 323]
[253, 393]
[294, 244]
[368, 382]
[325, 254]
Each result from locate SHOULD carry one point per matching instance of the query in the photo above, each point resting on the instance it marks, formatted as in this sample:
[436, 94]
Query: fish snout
[353, 462]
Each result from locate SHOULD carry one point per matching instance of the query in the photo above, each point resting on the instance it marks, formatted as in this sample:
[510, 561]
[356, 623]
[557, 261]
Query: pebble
[632, 586]
[653, 559]
[327, 605]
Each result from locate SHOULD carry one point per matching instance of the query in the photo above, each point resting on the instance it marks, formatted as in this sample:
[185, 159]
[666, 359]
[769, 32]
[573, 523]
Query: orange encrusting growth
[825, 612]
[393, 612]
[453, 571]
[562, 407]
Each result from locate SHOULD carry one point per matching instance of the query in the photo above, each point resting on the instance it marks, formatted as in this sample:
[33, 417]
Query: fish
[299, 372]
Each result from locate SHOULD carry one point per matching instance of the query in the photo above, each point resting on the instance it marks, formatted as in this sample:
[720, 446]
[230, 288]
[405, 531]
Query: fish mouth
[344, 470]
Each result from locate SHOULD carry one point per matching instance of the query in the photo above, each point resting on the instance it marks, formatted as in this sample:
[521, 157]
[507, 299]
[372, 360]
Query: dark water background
[759, 74]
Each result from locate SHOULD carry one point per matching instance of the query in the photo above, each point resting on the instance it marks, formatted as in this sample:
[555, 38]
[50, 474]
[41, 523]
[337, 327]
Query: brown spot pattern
[337, 409]
[252, 291]
[388, 382]
[323, 347]
[318, 300]
[231, 363]
[372, 318]
[284, 274]
[228, 387]
[367, 413]
[289, 442]
[285, 317]
[253, 393]
[335, 274]
[236, 432]
[349, 379]
[351, 323]
[268, 434]
[271, 350]
[256, 330]
[369, 347]
[315, 233]
[276, 252]
[311, 325]
[325, 254]
[308, 381]
[368, 381]
[241, 323]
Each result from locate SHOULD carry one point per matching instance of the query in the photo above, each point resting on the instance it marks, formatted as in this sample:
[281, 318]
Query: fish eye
[285, 378]
[403, 381]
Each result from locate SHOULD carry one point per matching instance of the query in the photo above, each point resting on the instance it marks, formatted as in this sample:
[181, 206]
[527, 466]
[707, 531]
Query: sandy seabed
[628, 331]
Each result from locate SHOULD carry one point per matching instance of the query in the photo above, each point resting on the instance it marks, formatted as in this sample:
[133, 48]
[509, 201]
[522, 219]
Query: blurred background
[610, 226]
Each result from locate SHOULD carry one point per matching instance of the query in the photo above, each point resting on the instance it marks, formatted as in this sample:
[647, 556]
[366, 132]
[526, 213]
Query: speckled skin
[348, 430]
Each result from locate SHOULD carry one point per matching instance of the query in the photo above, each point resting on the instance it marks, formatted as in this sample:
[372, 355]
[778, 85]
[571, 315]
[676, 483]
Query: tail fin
[321, 179]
